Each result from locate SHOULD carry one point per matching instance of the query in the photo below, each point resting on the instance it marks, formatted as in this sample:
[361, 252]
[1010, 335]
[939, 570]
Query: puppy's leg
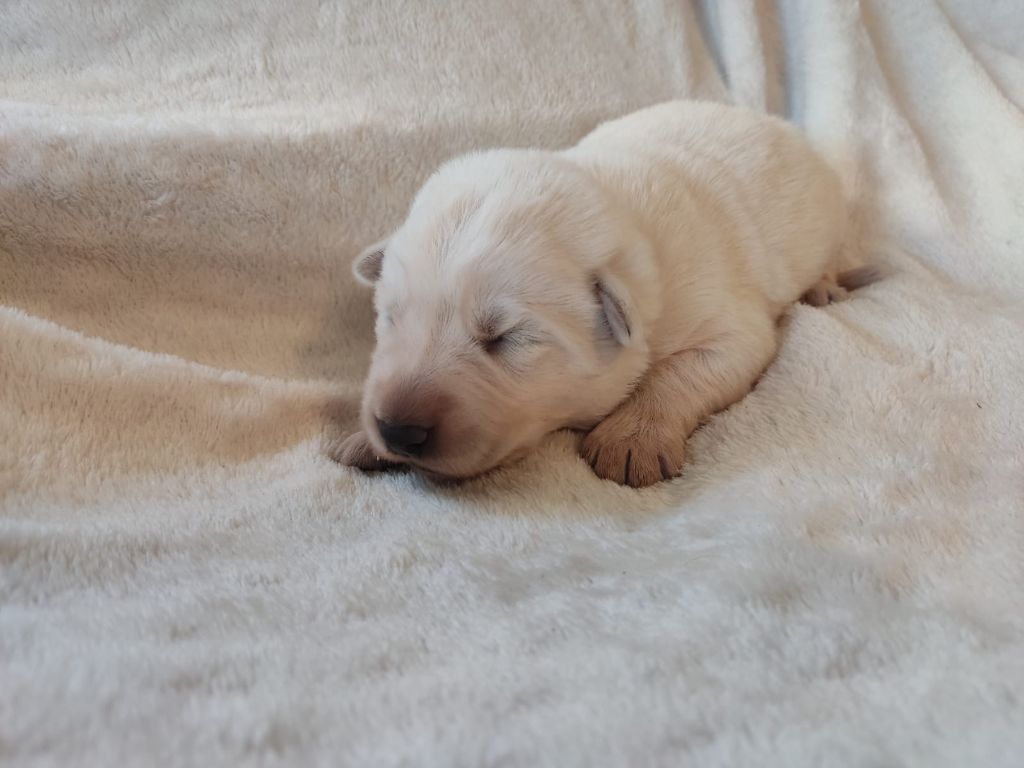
[644, 439]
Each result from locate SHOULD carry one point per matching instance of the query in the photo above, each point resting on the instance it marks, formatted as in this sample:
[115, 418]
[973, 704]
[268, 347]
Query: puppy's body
[638, 276]
[742, 215]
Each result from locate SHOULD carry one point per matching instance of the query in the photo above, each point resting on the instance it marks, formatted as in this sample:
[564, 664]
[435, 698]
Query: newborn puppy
[628, 286]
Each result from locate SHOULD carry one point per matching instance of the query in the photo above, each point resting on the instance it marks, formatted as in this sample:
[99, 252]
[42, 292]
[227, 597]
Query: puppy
[629, 287]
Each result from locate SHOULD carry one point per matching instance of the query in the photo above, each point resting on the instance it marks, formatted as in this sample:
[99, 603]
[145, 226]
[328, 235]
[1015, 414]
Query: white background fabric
[838, 578]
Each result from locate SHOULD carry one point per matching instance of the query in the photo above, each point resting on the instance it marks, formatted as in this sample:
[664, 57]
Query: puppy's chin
[451, 480]
[451, 473]
[436, 468]
[445, 478]
[447, 473]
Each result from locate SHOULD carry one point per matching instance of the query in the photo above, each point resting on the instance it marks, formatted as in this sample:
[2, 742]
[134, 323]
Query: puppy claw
[666, 470]
[356, 451]
[615, 450]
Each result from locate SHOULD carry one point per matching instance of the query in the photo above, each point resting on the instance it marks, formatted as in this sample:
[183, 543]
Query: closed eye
[499, 343]
[496, 344]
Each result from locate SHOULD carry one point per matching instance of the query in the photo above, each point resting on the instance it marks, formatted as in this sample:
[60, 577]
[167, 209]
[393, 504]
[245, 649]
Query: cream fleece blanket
[838, 579]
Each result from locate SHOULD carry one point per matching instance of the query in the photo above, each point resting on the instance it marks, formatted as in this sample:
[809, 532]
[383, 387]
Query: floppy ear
[616, 310]
[367, 264]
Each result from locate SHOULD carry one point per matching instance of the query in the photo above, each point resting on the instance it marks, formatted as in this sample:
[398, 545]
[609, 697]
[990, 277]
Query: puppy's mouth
[442, 475]
[437, 464]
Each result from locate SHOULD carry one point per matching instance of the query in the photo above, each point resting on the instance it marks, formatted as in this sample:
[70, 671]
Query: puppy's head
[511, 303]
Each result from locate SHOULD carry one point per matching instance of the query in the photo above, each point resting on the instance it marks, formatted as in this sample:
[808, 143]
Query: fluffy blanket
[185, 579]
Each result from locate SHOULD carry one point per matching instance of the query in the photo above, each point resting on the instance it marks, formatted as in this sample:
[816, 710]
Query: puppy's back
[764, 177]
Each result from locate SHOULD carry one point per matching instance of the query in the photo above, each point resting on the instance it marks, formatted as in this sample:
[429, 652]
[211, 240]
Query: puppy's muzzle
[404, 439]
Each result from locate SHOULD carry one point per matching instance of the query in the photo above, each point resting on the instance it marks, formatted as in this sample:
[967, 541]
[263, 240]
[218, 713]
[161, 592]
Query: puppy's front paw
[356, 451]
[634, 452]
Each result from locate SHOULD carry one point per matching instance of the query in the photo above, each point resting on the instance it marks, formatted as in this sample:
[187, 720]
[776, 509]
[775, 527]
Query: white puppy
[629, 286]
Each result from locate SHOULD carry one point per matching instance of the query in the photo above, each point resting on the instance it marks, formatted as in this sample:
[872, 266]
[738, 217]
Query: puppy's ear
[616, 320]
[368, 264]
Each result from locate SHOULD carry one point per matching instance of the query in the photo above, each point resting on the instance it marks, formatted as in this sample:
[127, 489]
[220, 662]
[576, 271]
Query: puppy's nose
[403, 439]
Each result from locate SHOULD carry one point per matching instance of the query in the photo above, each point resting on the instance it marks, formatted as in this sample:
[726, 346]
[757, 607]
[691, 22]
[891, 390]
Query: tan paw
[631, 453]
[356, 451]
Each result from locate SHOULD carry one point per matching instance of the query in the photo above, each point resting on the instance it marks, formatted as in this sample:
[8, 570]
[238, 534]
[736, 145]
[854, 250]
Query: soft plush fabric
[185, 579]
